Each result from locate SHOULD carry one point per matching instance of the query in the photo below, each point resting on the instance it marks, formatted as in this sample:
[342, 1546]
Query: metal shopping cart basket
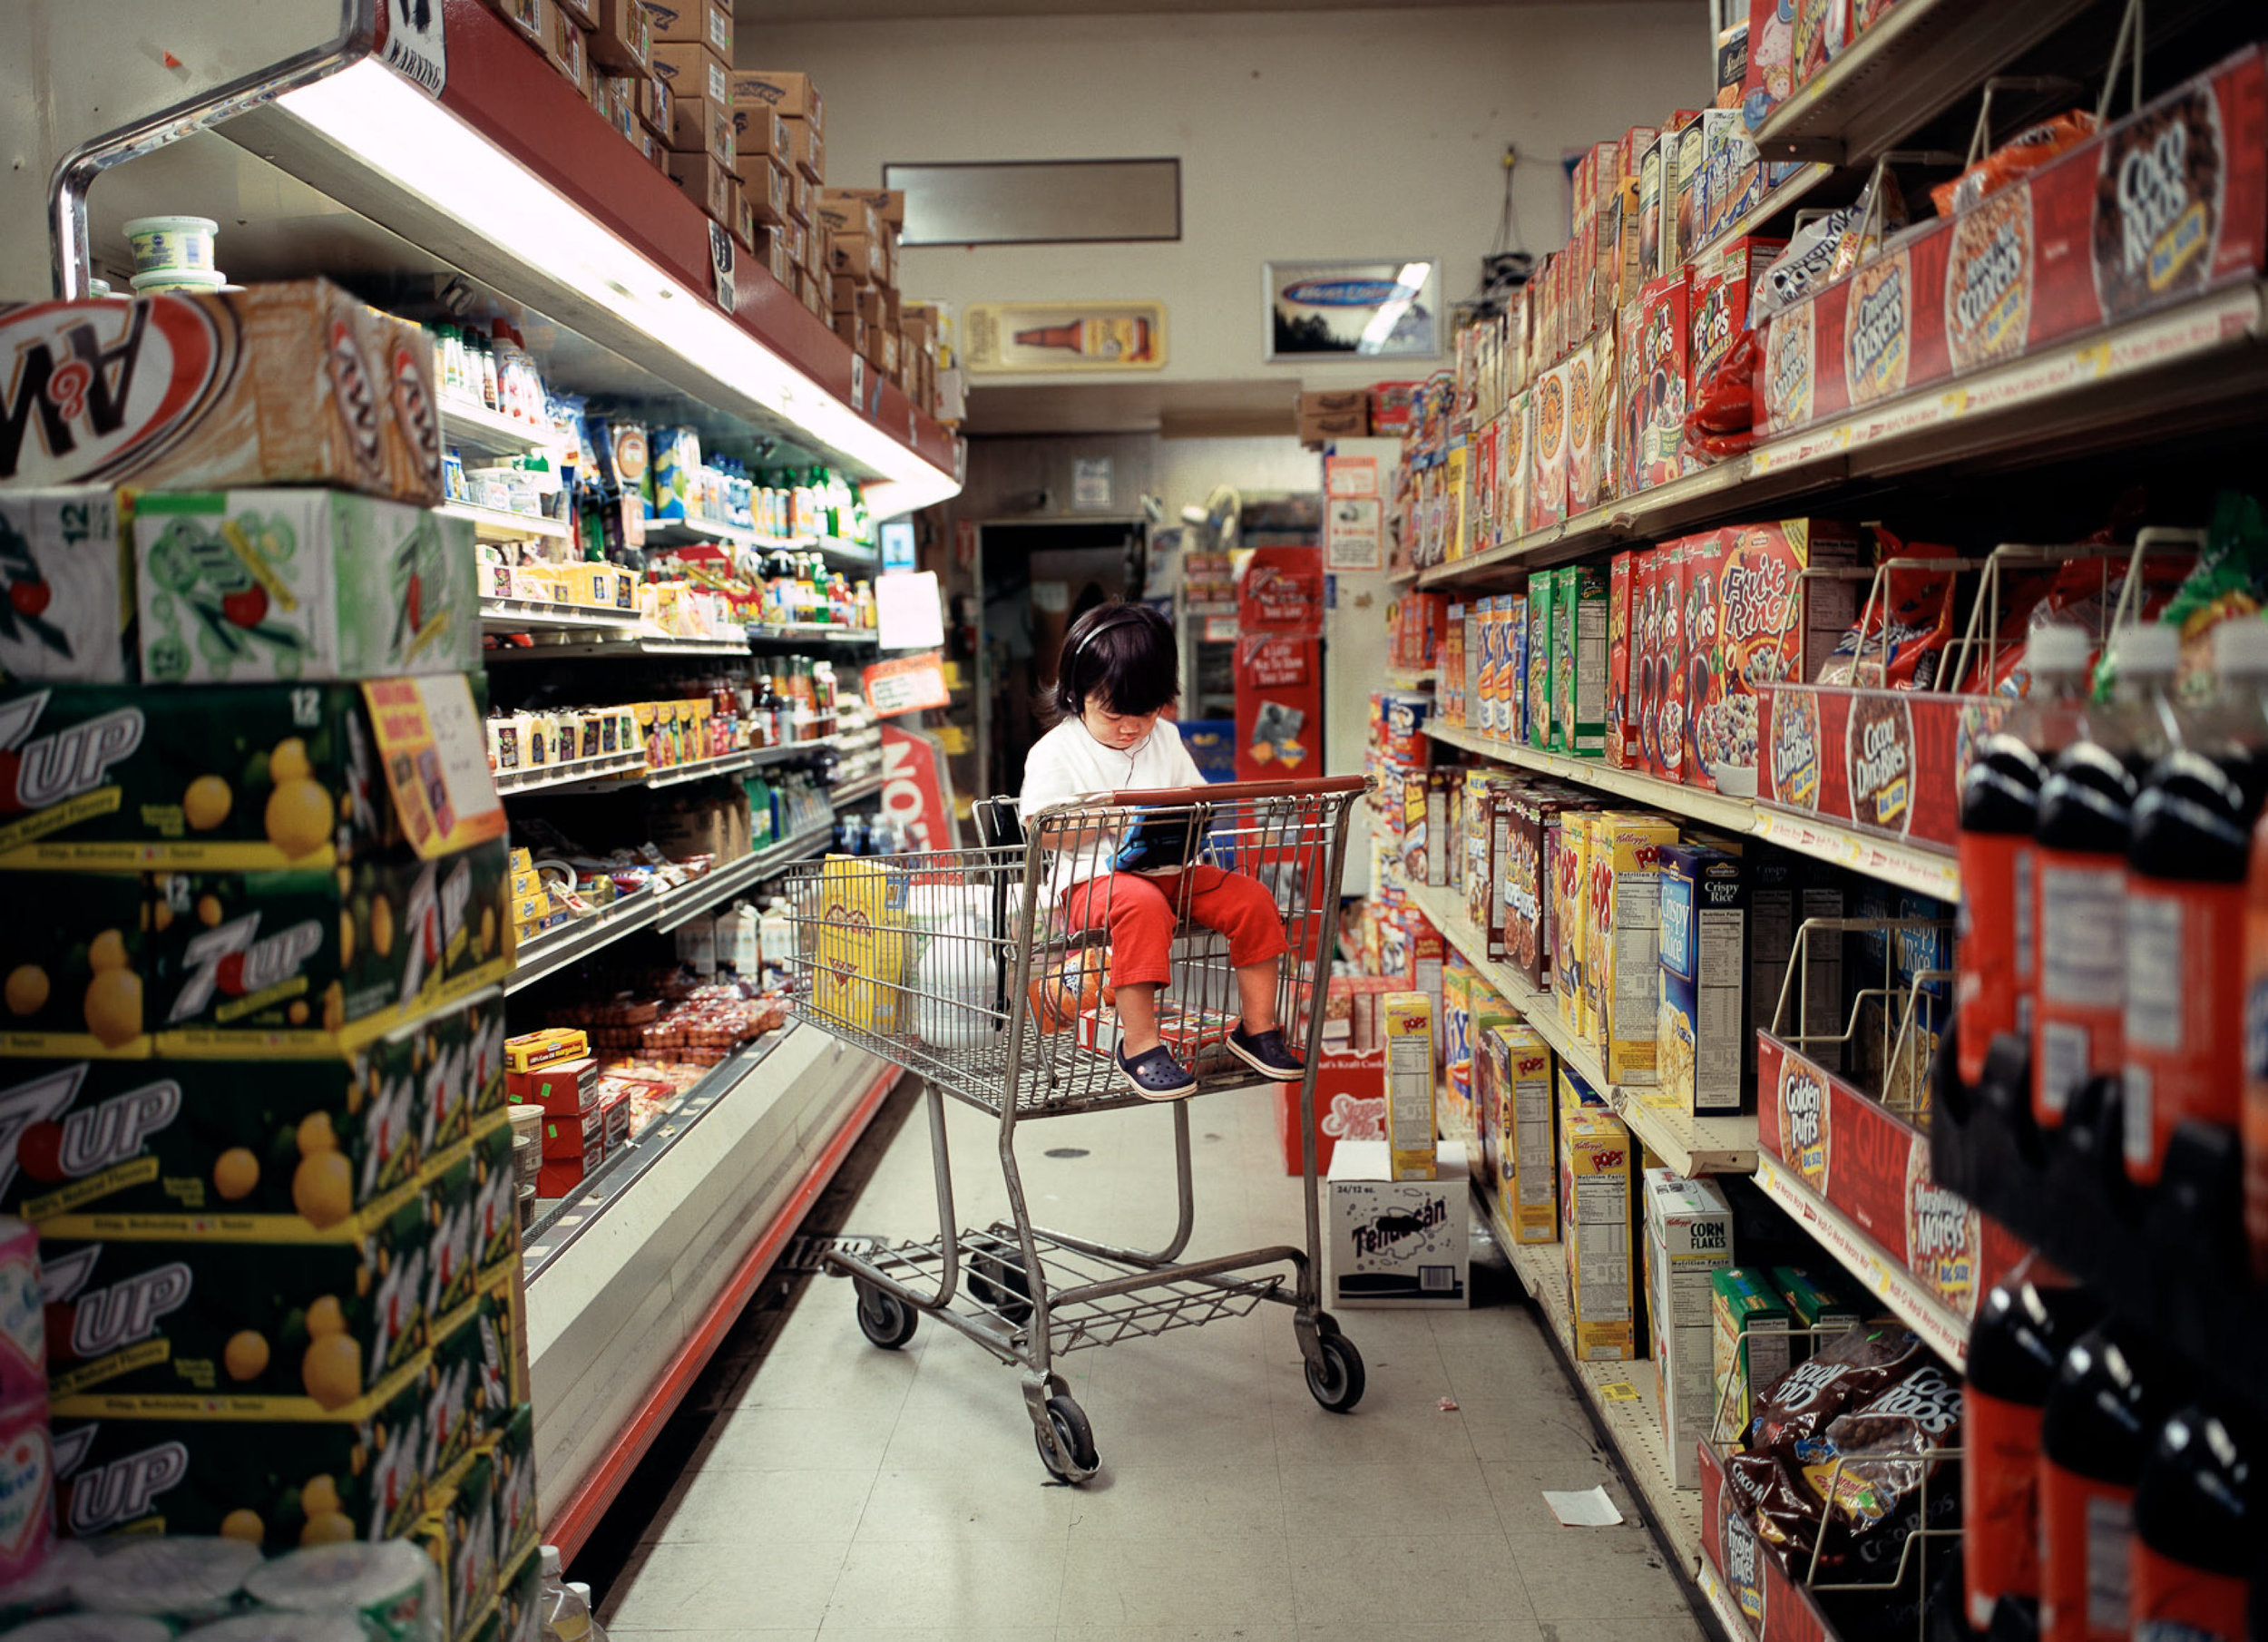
[959, 965]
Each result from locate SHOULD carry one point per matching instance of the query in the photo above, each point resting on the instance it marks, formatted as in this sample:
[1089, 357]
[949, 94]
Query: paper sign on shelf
[1352, 535]
[907, 611]
[1350, 476]
[906, 685]
[721, 263]
[436, 760]
[415, 46]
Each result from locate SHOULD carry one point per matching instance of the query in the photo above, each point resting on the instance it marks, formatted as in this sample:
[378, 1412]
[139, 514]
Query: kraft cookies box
[287, 384]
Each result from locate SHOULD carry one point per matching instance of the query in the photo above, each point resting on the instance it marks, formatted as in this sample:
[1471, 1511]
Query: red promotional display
[1279, 664]
[1350, 1105]
[1777, 1607]
[1887, 761]
[917, 787]
[1872, 1167]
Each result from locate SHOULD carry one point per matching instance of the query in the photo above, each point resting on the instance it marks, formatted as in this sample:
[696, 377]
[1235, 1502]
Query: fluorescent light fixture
[400, 134]
[1408, 287]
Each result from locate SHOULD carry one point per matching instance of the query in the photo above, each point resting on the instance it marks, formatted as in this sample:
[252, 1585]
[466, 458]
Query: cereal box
[1547, 448]
[1527, 1177]
[1582, 451]
[1749, 1346]
[285, 383]
[1699, 558]
[1570, 882]
[1682, 197]
[1665, 379]
[1453, 1095]
[1484, 667]
[1645, 644]
[862, 947]
[1770, 75]
[1512, 712]
[1583, 600]
[250, 586]
[1689, 1239]
[1407, 1019]
[1605, 423]
[1773, 623]
[1723, 288]
[1669, 664]
[1475, 843]
[1650, 230]
[1524, 893]
[1597, 1205]
[1514, 452]
[1704, 1049]
[1621, 728]
[1560, 672]
[1625, 870]
[1537, 697]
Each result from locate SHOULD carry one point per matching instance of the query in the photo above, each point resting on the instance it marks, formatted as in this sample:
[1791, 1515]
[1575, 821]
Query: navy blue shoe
[1268, 1054]
[1155, 1075]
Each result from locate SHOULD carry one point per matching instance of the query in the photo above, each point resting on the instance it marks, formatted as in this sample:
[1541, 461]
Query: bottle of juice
[2186, 865]
[2104, 1409]
[1999, 810]
[2022, 1333]
[2194, 1528]
[2085, 806]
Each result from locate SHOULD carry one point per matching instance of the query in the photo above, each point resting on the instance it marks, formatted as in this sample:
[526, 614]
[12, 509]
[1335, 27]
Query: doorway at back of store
[1037, 579]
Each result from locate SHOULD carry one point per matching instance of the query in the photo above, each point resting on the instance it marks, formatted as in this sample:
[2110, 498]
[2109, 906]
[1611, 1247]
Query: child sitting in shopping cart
[1118, 671]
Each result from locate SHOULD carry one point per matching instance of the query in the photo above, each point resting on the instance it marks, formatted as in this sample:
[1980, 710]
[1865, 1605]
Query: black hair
[1123, 653]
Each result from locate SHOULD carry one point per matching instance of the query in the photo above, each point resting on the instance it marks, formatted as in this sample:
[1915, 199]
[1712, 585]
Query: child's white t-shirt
[1068, 762]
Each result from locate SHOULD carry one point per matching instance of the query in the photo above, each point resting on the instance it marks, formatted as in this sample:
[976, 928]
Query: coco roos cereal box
[287, 384]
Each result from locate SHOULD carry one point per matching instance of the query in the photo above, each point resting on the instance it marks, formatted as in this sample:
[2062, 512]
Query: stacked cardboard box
[780, 120]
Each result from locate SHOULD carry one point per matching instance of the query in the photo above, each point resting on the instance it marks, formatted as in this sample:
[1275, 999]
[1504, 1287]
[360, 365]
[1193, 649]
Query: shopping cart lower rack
[960, 966]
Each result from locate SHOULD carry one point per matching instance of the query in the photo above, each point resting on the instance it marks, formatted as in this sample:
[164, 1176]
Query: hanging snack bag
[2019, 157]
[1900, 639]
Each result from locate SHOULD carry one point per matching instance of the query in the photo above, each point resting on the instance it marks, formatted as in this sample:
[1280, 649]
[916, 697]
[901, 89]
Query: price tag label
[721, 263]
[1619, 1391]
[858, 381]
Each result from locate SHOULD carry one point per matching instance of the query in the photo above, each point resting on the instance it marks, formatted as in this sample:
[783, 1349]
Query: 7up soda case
[237, 587]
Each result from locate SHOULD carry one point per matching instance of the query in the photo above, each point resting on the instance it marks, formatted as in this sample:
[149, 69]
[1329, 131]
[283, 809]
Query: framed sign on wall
[1386, 309]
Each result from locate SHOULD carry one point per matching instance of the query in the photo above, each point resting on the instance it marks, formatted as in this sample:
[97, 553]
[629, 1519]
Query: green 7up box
[310, 963]
[240, 587]
[241, 777]
[213, 1326]
[79, 950]
[276, 1483]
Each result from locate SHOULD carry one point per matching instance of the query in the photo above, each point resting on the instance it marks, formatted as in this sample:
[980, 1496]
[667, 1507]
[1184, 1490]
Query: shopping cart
[958, 965]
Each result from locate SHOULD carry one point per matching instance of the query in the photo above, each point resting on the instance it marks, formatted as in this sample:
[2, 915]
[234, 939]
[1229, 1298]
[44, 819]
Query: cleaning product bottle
[1999, 808]
[2194, 1524]
[2103, 1411]
[2186, 865]
[2085, 807]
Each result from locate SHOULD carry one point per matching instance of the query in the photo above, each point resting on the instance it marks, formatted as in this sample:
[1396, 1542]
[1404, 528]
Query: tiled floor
[858, 1495]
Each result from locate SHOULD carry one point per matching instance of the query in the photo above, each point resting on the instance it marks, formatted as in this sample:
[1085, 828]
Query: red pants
[1138, 913]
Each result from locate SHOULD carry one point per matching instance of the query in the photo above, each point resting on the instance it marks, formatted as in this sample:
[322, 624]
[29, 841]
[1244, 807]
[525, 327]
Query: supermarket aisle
[855, 1494]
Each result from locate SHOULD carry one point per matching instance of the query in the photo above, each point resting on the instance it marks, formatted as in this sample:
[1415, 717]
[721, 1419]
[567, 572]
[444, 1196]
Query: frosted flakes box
[246, 586]
[64, 564]
[274, 1482]
[285, 383]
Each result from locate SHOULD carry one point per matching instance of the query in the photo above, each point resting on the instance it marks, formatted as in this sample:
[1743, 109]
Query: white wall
[1305, 135]
[1186, 470]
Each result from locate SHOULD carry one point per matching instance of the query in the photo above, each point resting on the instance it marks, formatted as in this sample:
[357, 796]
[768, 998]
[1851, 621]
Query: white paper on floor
[1588, 1508]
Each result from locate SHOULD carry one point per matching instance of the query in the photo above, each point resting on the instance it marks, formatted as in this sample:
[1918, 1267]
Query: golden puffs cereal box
[1407, 1019]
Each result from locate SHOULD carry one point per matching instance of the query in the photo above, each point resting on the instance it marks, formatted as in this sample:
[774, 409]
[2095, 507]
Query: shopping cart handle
[1234, 791]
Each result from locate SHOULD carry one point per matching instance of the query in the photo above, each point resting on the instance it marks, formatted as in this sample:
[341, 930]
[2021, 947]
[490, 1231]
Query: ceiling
[1176, 409]
[754, 12]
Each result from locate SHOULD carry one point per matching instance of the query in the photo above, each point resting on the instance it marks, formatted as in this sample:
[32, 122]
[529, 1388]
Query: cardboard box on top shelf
[744, 227]
[564, 46]
[759, 135]
[532, 18]
[767, 187]
[772, 250]
[799, 196]
[706, 181]
[888, 203]
[847, 212]
[852, 328]
[809, 147]
[856, 256]
[585, 13]
[699, 126]
[654, 97]
[693, 22]
[622, 37]
[692, 70]
[789, 92]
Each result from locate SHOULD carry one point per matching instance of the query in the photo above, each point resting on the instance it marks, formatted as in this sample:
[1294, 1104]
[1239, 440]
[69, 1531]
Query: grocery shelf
[681, 533]
[811, 633]
[700, 769]
[555, 949]
[1919, 60]
[473, 425]
[1622, 1394]
[1688, 1144]
[864, 787]
[629, 644]
[1926, 870]
[537, 777]
[837, 550]
[1889, 1280]
[503, 615]
[1403, 678]
[2147, 380]
[499, 524]
[787, 751]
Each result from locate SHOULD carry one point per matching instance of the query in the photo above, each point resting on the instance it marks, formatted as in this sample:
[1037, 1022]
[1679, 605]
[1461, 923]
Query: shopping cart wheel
[1077, 1437]
[884, 1318]
[1336, 1382]
[1000, 1286]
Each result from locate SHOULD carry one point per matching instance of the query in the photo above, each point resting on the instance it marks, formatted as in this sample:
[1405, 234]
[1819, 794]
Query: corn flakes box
[274, 1482]
[303, 962]
[237, 587]
[216, 1327]
[858, 977]
[241, 778]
